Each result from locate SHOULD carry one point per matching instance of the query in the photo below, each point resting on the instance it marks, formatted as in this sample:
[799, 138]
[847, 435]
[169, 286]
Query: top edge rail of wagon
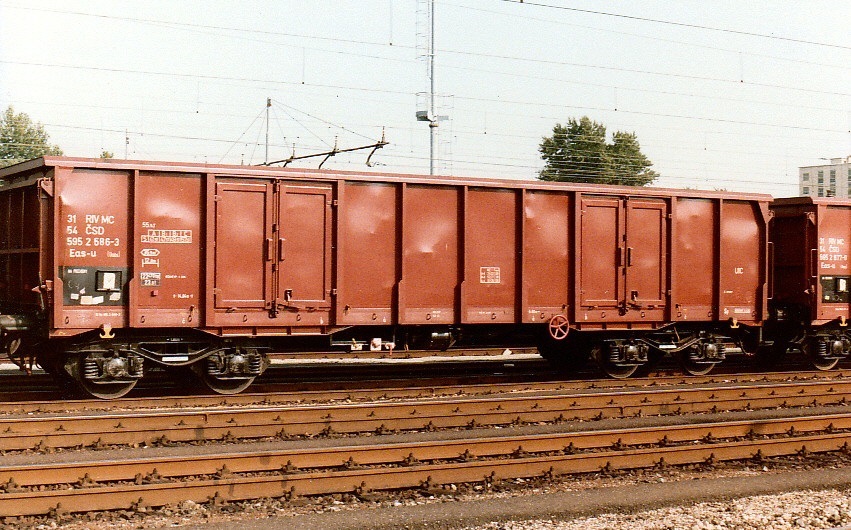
[38, 164]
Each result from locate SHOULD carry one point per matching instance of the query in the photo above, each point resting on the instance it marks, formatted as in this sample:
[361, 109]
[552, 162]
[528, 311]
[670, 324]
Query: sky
[721, 94]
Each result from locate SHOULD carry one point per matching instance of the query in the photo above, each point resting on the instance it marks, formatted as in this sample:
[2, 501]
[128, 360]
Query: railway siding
[110, 485]
[129, 428]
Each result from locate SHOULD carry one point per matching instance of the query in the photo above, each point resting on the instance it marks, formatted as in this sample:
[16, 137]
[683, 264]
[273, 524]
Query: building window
[821, 177]
[806, 176]
[820, 191]
[806, 190]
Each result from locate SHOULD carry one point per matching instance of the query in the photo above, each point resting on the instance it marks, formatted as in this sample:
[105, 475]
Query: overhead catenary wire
[681, 24]
[187, 137]
[308, 147]
[237, 141]
[470, 130]
[366, 89]
[655, 37]
[520, 108]
[730, 80]
[229, 30]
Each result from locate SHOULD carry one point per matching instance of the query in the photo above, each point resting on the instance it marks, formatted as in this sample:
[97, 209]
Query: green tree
[106, 155]
[578, 152]
[21, 139]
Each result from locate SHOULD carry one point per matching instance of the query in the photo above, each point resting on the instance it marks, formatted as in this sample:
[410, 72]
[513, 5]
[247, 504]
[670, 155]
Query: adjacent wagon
[811, 239]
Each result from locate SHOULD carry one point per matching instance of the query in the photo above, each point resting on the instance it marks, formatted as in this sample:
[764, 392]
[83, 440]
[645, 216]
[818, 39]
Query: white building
[828, 180]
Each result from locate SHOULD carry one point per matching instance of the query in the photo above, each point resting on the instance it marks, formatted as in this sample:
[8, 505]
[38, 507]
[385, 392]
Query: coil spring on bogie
[137, 364]
[614, 354]
[822, 348]
[91, 370]
[255, 362]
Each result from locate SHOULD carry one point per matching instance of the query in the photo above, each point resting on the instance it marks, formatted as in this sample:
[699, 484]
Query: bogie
[109, 369]
[231, 371]
[620, 359]
[103, 374]
[702, 356]
[825, 352]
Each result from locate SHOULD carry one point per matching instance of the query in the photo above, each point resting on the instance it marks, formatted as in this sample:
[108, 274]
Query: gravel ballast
[805, 509]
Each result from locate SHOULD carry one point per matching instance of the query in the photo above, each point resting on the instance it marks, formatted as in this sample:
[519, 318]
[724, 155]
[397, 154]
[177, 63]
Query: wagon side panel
[491, 256]
[431, 268]
[367, 247]
[696, 251]
[90, 249]
[742, 273]
[547, 264]
[167, 250]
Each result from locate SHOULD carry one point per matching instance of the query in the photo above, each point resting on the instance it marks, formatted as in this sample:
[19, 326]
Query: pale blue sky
[734, 95]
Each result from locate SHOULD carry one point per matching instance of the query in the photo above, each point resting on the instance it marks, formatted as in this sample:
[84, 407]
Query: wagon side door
[646, 251]
[304, 251]
[244, 248]
[601, 252]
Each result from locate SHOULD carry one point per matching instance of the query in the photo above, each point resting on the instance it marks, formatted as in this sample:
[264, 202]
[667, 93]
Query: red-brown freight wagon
[812, 243]
[106, 265]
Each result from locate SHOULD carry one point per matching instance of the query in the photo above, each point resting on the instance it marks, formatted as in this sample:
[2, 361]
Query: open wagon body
[106, 265]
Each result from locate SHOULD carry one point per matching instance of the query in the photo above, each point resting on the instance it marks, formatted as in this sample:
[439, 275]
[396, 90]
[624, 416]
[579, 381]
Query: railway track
[138, 483]
[273, 421]
[91, 481]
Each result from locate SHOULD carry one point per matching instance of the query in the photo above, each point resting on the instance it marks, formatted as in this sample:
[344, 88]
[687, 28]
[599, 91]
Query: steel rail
[157, 481]
[259, 422]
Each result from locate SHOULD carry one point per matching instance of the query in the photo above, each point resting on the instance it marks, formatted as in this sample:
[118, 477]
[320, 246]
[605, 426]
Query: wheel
[601, 354]
[694, 368]
[231, 371]
[810, 349]
[220, 385]
[106, 390]
[223, 386]
[824, 364]
[559, 327]
[112, 390]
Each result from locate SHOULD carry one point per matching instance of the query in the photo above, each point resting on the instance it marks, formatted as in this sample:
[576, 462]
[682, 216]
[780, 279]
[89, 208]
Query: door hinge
[46, 186]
